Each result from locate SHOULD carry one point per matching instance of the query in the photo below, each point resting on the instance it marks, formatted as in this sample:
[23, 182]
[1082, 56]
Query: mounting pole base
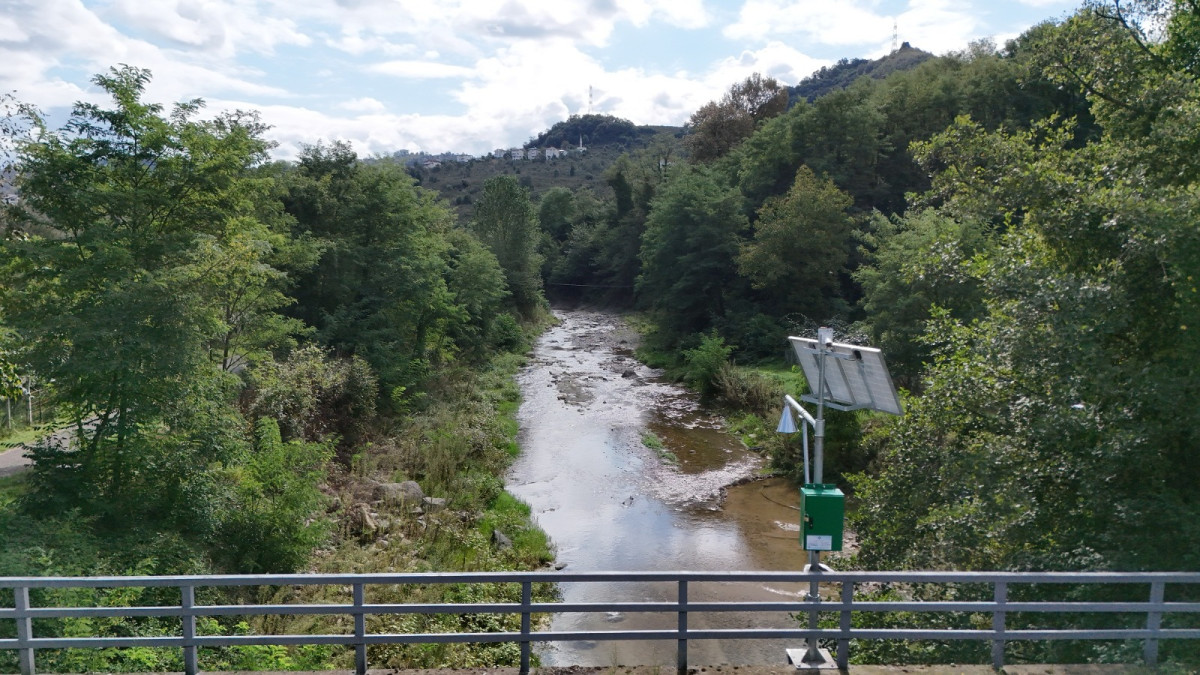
[796, 658]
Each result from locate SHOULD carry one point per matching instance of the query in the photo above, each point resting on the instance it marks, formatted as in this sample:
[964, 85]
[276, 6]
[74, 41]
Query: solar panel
[855, 377]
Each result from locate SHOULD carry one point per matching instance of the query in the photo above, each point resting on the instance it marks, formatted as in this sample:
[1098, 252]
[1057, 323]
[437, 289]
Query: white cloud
[782, 62]
[363, 105]
[938, 26]
[843, 22]
[419, 69]
[220, 27]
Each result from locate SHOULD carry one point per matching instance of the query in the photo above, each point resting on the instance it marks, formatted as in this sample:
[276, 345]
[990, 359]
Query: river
[611, 503]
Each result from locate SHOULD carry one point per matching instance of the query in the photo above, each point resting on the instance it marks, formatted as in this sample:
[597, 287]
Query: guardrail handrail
[1154, 609]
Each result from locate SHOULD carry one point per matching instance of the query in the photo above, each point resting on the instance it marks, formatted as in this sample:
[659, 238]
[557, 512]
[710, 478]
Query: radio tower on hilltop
[895, 36]
[589, 99]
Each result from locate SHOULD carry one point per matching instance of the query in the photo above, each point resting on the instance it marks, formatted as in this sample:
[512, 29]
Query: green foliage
[312, 396]
[688, 251]
[507, 335]
[505, 221]
[593, 129]
[127, 307]
[919, 263]
[1049, 434]
[800, 247]
[843, 73]
[392, 285]
[704, 363]
[272, 530]
[719, 126]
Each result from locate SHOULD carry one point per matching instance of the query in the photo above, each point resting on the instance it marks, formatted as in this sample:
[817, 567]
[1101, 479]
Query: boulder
[407, 492]
[362, 520]
[434, 503]
[501, 540]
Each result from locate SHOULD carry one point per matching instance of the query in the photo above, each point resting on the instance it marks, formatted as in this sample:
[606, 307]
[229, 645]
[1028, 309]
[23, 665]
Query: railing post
[360, 632]
[681, 655]
[187, 602]
[843, 645]
[1154, 623]
[24, 629]
[998, 624]
[526, 624]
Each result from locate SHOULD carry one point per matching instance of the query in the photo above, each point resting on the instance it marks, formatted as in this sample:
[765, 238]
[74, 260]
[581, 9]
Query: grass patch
[652, 441]
[789, 378]
[511, 516]
[12, 488]
[753, 430]
[21, 435]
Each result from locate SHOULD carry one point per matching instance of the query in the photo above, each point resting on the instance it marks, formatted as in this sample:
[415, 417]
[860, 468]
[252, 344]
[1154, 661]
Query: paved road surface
[13, 460]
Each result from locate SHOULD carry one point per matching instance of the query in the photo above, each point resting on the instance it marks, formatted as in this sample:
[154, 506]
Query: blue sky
[463, 75]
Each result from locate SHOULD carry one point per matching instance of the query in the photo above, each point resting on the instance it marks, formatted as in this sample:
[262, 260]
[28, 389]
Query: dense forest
[246, 347]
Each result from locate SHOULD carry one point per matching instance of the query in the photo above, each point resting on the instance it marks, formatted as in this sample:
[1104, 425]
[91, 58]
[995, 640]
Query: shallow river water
[610, 503]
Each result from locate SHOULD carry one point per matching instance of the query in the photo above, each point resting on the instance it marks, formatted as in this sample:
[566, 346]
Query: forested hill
[843, 73]
[594, 130]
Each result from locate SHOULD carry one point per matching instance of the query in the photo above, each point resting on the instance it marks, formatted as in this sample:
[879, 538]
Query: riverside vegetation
[1014, 227]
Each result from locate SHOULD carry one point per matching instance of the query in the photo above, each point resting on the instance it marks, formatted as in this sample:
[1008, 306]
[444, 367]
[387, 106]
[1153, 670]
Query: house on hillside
[554, 153]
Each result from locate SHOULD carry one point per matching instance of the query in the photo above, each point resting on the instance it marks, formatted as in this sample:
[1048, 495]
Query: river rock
[434, 503]
[362, 521]
[628, 372]
[407, 492]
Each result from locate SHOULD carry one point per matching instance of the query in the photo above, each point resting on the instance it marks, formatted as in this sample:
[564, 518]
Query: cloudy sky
[463, 75]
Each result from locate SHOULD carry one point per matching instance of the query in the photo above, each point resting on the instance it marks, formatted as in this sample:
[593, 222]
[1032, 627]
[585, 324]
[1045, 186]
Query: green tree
[379, 290]
[122, 306]
[688, 251]
[918, 264]
[506, 222]
[1050, 435]
[719, 126]
[800, 246]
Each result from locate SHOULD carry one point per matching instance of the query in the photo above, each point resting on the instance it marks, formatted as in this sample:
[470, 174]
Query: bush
[747, 390]
[704, 363]
[506, 334]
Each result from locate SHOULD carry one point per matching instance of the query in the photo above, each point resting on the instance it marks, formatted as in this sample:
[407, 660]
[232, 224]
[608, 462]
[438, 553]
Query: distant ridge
[845, 72]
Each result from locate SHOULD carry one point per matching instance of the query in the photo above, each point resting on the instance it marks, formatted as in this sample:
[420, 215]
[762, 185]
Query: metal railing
[1151, 631]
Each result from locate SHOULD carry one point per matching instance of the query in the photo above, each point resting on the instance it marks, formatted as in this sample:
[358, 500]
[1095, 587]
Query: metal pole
[1154, 623]
[681, 655]
[824, 337]
[188, 605]
[24, 630]
[843, 648]
[526, 624]
[360, 631]
[1001, 598]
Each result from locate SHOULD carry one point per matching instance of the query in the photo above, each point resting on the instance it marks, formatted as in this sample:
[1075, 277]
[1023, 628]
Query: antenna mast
[895, 36]
[589, 99]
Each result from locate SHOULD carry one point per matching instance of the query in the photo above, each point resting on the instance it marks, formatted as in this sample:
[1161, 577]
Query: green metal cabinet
[822, 512]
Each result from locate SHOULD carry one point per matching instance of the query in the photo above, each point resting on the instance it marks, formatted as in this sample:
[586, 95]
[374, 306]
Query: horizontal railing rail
[1150, 630]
